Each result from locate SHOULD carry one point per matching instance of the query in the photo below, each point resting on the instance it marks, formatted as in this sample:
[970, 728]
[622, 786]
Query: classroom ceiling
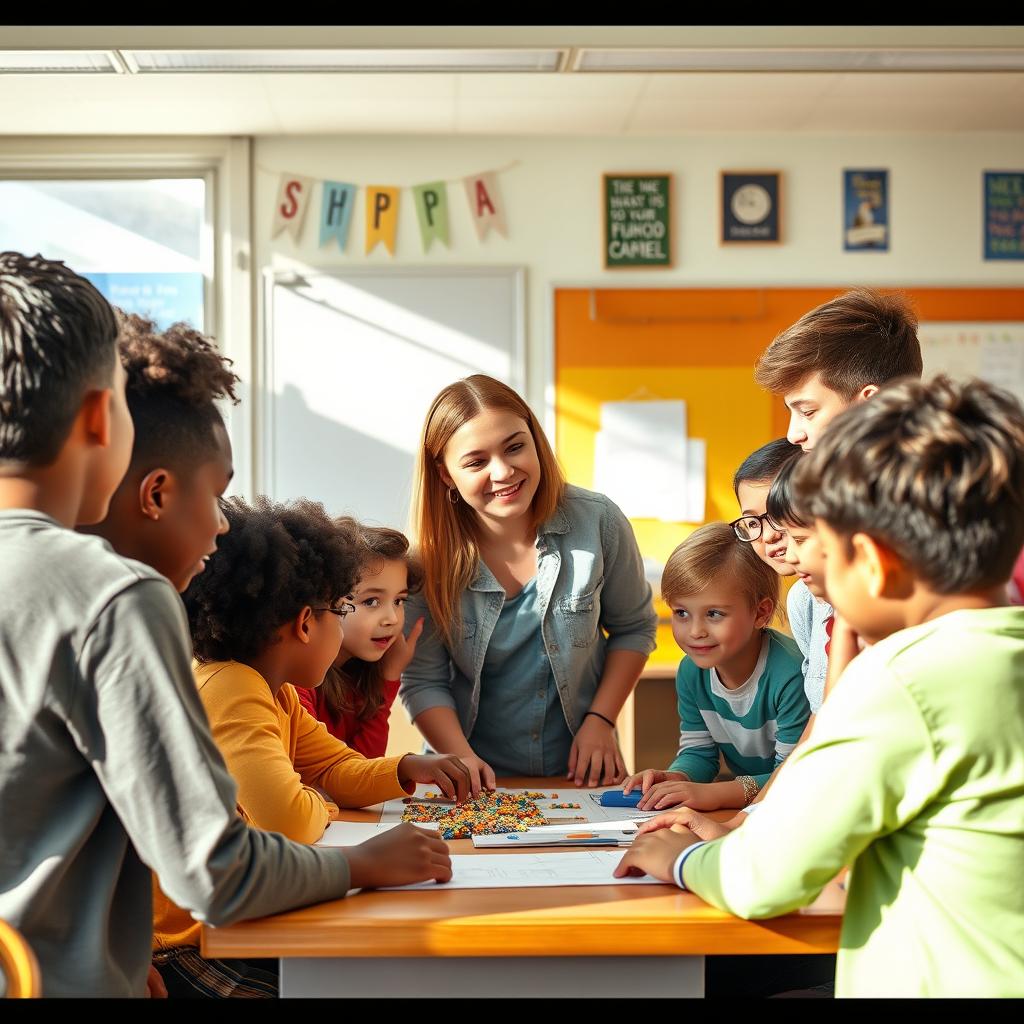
[566, 102]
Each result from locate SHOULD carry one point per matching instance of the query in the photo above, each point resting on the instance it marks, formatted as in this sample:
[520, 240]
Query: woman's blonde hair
[711, 551]
[445, 532]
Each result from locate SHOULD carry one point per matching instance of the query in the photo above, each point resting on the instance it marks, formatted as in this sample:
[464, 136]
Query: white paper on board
[640, 458]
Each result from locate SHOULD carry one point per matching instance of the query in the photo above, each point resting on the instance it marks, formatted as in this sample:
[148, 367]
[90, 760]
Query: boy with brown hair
[914, 771]
[839, 353]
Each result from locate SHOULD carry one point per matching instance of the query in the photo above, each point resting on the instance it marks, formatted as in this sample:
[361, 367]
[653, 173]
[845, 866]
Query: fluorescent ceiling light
[799, 59]
[62, 62]
[295, 60]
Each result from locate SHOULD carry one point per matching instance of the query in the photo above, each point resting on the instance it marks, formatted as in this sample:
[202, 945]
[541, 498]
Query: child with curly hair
[268, 613]
[166, 511]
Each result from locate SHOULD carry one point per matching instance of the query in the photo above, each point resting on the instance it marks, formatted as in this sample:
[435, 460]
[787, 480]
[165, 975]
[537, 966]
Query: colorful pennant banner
[430, 200]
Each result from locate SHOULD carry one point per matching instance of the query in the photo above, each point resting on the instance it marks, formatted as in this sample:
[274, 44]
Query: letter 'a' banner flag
[431, 202]
[293, 195]
[336, 212]
[381, 216]
[485, 204]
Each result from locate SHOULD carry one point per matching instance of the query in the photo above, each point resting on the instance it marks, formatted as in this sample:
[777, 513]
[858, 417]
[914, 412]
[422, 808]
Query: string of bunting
[296, 194]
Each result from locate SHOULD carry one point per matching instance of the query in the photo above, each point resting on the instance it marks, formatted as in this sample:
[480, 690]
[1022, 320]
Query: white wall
[553, 200]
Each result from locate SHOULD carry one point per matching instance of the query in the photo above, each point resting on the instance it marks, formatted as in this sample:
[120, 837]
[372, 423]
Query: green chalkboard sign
[637, 220]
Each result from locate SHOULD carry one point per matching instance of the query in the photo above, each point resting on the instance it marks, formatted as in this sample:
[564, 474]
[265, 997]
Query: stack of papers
[614, 833]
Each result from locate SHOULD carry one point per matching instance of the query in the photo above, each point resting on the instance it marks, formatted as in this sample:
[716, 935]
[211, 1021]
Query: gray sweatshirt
[108, 769]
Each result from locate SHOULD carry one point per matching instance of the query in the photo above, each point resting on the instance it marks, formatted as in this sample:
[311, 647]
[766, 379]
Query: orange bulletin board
[699, 345]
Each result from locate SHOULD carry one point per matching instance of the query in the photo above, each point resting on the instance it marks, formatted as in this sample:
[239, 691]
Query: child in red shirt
[354, 701]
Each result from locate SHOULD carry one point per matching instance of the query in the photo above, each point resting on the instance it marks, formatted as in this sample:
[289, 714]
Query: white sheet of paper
[696, 479]
[534, 870]
[351, 833]
[640, 456]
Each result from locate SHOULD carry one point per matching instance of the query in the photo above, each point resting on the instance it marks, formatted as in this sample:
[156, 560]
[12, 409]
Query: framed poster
[866, 211]
[751, 207]
[637, 220]
[1004, 215]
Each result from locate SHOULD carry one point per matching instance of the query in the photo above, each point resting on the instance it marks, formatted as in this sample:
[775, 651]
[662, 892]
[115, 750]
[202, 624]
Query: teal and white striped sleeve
[698, 752]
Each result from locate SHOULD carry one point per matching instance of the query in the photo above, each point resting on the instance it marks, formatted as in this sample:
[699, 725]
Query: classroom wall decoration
[751, 207]
[866, 211]
[1004, 215]
[295, 195]
[637, 220]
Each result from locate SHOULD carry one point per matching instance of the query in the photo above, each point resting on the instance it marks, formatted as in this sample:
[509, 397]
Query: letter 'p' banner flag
[381, 216]
[485, 204]
[431, 202]
[293, 195]
[336, 212]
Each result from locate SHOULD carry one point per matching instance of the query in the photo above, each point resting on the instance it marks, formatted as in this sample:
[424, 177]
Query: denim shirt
[590, 582]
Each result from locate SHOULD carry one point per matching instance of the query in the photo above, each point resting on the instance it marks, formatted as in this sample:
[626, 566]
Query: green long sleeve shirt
[914, 776]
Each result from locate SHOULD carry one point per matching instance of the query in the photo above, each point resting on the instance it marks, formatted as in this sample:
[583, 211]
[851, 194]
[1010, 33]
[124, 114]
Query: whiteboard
[991, 350]
[352, 360]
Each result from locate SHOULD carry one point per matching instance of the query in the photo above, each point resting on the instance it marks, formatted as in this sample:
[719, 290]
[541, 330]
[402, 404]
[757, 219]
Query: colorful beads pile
[565, 807]
[488, 814]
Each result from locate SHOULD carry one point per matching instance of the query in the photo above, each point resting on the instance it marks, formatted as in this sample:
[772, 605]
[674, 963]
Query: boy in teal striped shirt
[740, 687]
[914, 770]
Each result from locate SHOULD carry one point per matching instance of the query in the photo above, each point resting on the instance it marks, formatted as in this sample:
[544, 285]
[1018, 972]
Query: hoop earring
[453, 495]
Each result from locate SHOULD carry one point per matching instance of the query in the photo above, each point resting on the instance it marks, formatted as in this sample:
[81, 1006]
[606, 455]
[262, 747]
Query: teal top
[755, 726]
[914, 776]
[520, 726]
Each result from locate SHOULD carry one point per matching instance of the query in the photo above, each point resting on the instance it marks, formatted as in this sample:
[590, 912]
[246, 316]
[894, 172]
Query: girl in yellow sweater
[266, 616]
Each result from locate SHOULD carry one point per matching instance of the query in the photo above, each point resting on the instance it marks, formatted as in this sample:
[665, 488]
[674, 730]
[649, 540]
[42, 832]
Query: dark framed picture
[637, 220]
[866, 211]
[751, 207]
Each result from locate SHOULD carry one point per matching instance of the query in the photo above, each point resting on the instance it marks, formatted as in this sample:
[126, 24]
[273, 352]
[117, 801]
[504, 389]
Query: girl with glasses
[750, 484]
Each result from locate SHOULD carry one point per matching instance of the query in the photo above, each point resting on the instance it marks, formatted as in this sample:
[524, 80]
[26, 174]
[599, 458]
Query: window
[144, 242]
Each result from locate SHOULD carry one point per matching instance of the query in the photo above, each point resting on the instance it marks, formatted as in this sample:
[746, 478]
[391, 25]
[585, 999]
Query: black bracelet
[603, 719]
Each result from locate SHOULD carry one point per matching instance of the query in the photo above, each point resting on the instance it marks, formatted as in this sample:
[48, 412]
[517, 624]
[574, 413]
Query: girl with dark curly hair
[265, 617]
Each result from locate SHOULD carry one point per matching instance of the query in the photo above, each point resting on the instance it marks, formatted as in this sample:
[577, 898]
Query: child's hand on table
[400, 856]
[655, 853]
[650, 777]
[446, 771]
[699, 824]
[701, 796]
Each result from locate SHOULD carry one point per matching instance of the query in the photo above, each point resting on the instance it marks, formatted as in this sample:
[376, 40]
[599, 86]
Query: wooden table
[641, 940]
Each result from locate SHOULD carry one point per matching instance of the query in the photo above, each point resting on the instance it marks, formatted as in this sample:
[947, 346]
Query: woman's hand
[595, 758]
[397, 657]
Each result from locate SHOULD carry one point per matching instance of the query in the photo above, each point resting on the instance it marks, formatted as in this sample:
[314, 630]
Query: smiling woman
[537, 615]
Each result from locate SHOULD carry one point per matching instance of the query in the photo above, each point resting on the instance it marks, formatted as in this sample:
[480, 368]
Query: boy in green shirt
[914, 772]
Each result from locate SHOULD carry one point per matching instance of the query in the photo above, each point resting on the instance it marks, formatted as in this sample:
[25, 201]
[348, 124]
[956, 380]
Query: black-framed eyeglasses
[341, 610]
[750, 528]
